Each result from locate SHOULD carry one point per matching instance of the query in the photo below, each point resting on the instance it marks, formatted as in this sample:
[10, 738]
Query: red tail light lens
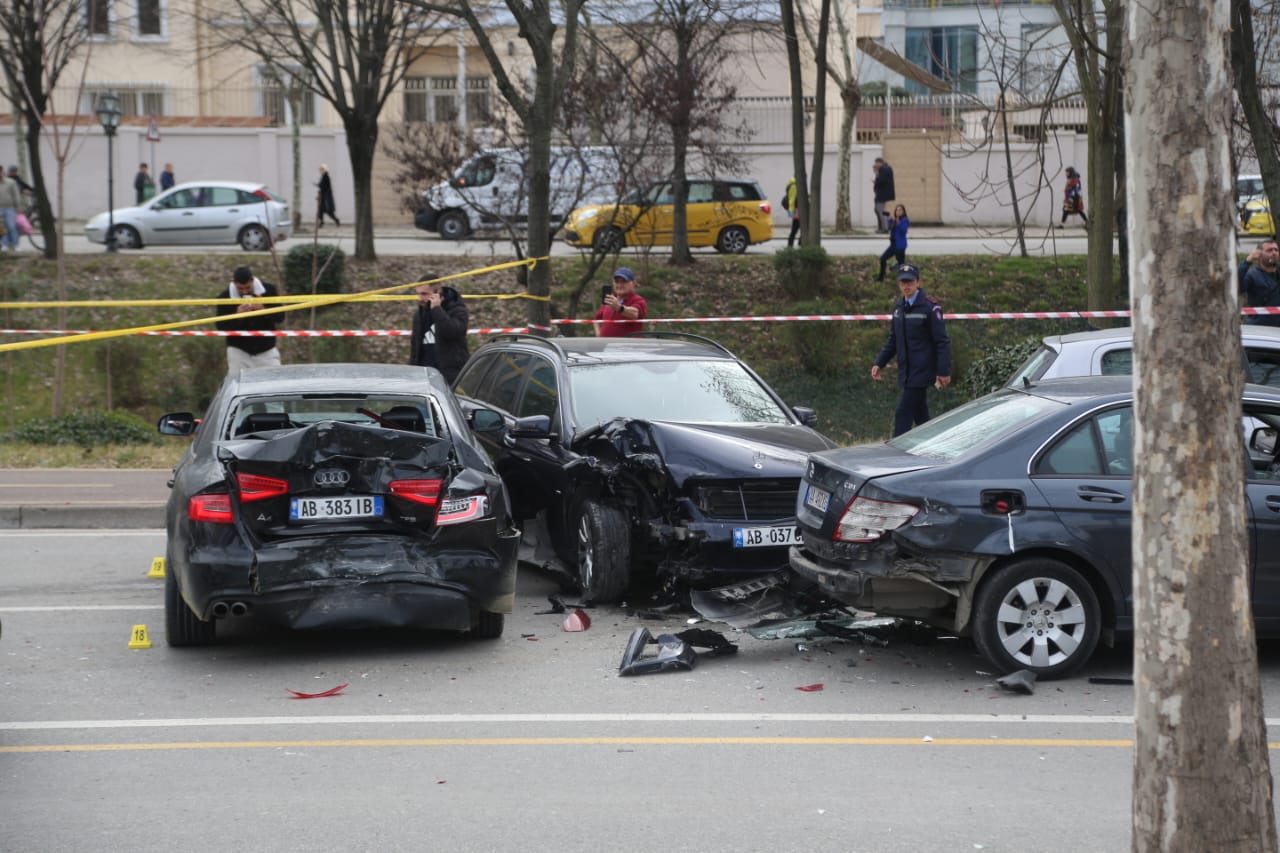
[254, 487]
[866, 520]
[425, 492]
[766, 208]
[214, 509]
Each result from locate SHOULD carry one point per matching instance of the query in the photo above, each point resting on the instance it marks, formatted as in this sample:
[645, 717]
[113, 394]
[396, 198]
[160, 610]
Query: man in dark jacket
[242, 297]
[1261, 284]
[884, 191]
[439, 330]
[918, 339]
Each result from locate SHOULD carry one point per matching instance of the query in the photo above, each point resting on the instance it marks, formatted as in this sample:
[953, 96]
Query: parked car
[1009, 519]
[658, 453]
[1255, 218]
[199, 213]
[728, 214]
[1249, 187]
[1109, 352]
[337, 495]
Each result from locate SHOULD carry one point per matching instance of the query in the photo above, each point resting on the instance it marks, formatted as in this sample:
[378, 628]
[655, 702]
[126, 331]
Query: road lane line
[90, 608]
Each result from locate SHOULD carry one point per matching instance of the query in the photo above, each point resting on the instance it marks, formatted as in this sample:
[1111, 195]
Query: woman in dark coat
[324, 199]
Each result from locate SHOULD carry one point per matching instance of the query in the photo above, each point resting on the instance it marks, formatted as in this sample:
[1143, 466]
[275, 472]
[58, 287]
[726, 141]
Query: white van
[491, 189]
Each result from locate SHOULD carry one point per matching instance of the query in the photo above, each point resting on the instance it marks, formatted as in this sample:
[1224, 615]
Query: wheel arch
[1103, 589]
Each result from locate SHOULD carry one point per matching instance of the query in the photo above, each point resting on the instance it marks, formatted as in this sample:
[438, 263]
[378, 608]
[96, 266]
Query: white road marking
[59, 608]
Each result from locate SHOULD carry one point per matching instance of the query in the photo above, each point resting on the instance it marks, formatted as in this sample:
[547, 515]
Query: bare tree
[1244, 65]
[679, 56]
[38, 39]
[845, 76]
[352, 54]
[1095, 32]
[1202, 779]
[808, 181]
[550, 30]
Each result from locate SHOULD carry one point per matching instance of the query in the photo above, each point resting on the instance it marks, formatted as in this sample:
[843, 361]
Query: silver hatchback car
[199, 213]
[1109, 352]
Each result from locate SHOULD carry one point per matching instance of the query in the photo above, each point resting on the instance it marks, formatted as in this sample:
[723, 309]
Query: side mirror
[807, 416]
[534, 426]
[486, 420]
[1263, 440]
[177, 423]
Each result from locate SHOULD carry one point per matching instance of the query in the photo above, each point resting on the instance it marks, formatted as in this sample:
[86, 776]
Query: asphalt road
[531, 742]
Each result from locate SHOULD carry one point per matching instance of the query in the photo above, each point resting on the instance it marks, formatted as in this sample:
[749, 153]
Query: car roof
[1126, 333]
[627, 349]
[1103, 389]
[339, 378]
[247, 186]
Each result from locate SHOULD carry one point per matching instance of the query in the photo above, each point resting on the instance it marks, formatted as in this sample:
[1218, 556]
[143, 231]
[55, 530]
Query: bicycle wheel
[36, 237]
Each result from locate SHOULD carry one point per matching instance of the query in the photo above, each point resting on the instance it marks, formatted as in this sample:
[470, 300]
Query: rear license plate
[765, 537]
[817, 498]
[327, 509]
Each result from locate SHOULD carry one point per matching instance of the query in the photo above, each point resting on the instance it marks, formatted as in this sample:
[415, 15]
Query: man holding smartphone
[622, 309]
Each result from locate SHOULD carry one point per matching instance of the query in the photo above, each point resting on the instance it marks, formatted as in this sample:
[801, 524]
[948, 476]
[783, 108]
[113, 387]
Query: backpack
[785, 206]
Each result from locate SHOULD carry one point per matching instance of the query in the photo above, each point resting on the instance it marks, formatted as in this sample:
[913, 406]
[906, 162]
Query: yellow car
[728, 214]
[1255, 218]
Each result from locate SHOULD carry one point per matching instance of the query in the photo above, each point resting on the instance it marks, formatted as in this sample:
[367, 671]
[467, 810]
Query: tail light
[262, 194]
[254, 487]
[214, 509]
[765, 207]
[425, 492]
[865, 520]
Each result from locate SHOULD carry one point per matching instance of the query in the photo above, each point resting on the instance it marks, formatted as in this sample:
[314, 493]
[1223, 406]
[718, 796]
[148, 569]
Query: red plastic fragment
[811, 688]
[578, 620]
[332, 691]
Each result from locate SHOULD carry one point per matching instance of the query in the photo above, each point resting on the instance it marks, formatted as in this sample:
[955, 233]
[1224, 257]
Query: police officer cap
[908, 272]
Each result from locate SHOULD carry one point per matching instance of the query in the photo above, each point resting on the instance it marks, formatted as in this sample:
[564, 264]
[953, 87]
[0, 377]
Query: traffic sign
[153, 130]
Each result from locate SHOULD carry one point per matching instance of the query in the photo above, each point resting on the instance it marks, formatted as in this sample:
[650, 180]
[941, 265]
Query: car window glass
[501, 386]
[976, 423]
[1034, 367]
[664, 195]
[1117, 362]
[1262, 442]
[243, 197]
[1264, 367]
[254, 414]
[699, 191]
[478, 173]
[181, 199]
[1115, 430]
[541, 395]
[1076, 453]
[688, 391]
[221, 197]
[472, 375]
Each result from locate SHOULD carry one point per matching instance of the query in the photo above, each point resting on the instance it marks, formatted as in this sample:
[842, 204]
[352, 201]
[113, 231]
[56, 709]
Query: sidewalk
[94, 498]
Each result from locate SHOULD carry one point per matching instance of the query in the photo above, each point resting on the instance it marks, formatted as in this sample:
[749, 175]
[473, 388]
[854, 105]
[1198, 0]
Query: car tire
[254, 238]
[604, 552]
[452, 226]
[1037, 614]
[608, 241]
[181, 627]
[733, 240]
[487, 626]
[127, 237]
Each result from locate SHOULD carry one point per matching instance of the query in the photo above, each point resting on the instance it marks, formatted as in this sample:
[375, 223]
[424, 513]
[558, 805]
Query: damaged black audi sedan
[1008, 519]
[337, 496]
[655, 453]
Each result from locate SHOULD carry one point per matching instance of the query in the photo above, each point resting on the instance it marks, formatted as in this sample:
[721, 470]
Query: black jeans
[913, 410]
[891, 252]
[795, 229]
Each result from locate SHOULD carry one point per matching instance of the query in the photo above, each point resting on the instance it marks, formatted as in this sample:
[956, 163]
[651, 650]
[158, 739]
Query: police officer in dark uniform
[918, 338]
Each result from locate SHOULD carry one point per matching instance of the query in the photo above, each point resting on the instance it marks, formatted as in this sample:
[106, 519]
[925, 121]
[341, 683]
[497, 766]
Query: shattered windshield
[414, 414]
[984, 420]
[688, 391]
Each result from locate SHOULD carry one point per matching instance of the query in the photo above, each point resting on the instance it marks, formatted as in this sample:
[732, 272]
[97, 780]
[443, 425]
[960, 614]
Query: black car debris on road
[337, 495]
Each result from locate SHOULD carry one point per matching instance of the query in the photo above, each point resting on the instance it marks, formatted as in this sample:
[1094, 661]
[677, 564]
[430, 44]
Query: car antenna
[1026, 382]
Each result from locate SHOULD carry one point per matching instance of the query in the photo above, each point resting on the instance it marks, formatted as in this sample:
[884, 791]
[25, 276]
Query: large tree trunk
[362, 142]
[1202, 778]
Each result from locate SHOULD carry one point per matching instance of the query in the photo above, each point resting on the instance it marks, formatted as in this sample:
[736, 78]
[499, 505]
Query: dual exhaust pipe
[222, 609]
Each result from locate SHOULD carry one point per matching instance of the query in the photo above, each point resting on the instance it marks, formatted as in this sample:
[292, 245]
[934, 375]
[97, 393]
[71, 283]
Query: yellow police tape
[293, 303]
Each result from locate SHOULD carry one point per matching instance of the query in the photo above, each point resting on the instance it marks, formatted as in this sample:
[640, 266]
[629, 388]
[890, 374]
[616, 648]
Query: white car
[1109, 352]
[199, 213]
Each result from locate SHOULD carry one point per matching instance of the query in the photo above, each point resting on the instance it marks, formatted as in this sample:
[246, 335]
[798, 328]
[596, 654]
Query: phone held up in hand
[605, 292]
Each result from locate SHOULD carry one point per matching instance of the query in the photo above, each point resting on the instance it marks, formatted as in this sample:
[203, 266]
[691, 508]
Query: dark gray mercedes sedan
[1009, 519]
[337, 495]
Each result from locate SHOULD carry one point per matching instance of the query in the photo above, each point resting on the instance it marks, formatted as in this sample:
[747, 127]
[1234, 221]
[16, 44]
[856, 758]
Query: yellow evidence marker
[157, 568]
[139, 639]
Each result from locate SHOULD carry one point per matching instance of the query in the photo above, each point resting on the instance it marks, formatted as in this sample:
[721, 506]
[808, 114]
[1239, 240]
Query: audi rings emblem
[332, 477]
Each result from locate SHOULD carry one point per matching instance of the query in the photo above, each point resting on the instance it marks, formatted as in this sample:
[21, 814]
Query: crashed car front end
[348, 525]
[706, 503]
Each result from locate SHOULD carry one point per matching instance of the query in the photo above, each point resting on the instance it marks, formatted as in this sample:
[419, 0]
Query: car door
[222, 214]
[175, 218]
[1086, 476]
[1262, 486]
[704, 215]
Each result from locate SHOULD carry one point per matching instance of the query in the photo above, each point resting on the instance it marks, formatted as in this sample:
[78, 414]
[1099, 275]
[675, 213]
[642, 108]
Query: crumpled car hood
[734, 451]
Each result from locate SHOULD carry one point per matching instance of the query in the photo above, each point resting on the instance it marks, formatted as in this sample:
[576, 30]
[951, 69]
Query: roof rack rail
[684, 336]
[528, 337]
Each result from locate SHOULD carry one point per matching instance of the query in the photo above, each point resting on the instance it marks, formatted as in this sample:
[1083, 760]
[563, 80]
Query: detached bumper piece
[675, 651]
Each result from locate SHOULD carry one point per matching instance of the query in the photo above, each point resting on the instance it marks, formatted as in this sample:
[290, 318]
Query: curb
[136, 517]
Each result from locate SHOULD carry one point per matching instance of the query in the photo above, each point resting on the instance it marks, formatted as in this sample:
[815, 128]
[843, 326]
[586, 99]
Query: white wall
[966, 202]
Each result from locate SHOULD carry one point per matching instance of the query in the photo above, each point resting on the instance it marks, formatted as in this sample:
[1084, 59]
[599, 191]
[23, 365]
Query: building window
[948, 53]
[135, 100]
[149, 19]
[98, 16]
[282, 90]
[436, 99]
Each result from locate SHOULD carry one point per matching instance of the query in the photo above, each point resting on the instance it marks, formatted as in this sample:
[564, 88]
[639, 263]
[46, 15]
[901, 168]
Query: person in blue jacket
[918, 339]
[898, 225]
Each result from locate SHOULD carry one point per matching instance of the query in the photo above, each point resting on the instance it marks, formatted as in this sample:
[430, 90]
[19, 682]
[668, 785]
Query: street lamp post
[109, 117]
